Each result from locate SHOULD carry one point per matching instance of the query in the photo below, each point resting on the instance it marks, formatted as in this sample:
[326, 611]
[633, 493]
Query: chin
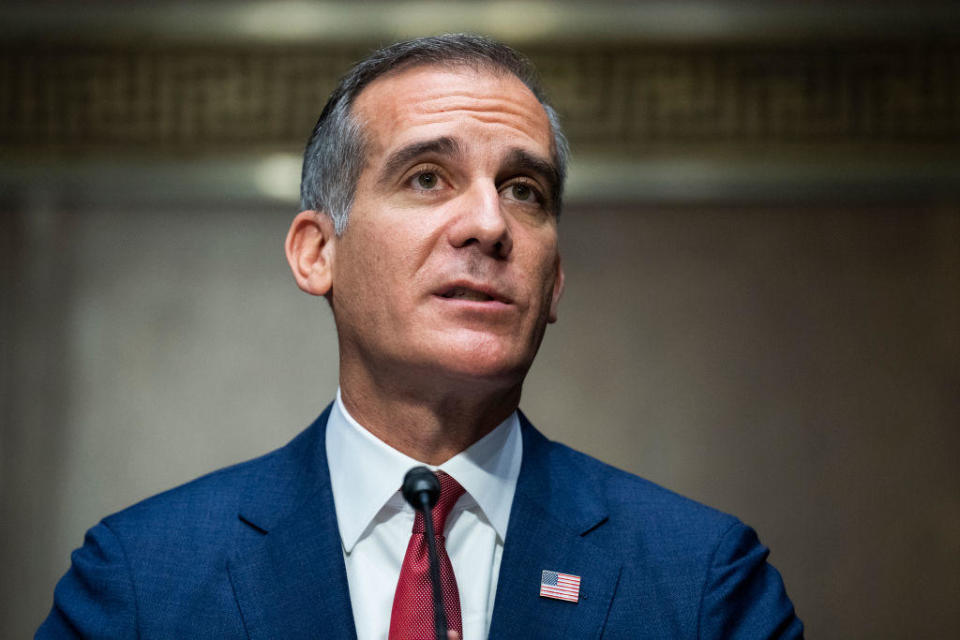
[483, 366]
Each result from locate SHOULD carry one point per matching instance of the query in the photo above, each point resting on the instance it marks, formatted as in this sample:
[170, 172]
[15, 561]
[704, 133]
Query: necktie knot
[450, 492]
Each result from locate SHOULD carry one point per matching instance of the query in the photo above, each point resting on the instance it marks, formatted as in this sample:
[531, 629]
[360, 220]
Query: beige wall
[796, 367]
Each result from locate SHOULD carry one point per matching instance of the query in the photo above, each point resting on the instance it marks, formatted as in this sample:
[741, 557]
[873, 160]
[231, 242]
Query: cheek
[355, 271]
[379, 271]
[546, 264]
[551, 275]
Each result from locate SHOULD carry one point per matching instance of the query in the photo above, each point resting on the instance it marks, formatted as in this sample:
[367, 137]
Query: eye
[427, 180]
[523, 192]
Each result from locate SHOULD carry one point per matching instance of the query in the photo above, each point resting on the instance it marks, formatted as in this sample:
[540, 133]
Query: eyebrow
[521, 160]
[398, 160]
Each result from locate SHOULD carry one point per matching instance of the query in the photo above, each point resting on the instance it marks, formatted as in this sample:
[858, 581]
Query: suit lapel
[553, 512]
[288, 572]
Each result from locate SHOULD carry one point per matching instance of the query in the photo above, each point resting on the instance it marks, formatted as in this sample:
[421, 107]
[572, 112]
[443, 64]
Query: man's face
[449, 264]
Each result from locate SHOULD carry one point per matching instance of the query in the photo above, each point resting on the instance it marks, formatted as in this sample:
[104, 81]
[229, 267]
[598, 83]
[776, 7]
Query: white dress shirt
[375, 521]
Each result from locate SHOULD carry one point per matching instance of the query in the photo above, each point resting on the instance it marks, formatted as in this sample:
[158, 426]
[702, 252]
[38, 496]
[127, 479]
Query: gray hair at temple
[335, 153]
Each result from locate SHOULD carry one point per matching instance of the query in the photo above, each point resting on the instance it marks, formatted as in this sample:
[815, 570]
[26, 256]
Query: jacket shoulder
[696, 569]
[635, 502]
[156, 568]
[204, 511]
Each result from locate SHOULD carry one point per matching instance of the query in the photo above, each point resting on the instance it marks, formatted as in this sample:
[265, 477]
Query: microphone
[421, 490]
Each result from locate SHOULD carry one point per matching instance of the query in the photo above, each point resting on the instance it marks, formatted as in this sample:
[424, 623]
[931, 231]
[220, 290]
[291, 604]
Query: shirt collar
[366, 473]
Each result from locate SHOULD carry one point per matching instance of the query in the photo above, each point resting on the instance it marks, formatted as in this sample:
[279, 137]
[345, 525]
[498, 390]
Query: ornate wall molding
[614, 99]
[829, 96]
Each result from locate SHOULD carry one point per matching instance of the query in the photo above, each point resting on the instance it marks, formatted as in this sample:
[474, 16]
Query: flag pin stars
[560, 586]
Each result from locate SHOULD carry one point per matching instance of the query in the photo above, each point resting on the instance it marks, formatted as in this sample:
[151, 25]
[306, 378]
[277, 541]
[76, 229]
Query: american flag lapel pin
[561, 586]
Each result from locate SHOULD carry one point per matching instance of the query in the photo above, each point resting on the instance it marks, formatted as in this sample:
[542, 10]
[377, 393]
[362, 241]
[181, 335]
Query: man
[431, 192]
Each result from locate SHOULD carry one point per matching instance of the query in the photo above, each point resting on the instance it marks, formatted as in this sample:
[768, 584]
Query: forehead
[426, 101]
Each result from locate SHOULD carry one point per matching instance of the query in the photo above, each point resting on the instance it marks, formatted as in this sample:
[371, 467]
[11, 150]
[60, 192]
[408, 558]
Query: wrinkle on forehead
[488, 111]
[418, 99]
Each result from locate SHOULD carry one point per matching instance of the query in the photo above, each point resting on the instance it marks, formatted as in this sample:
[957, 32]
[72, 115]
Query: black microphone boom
[421, 490]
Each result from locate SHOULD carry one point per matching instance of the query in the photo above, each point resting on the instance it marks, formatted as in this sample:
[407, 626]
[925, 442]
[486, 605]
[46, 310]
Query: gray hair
[335, 153]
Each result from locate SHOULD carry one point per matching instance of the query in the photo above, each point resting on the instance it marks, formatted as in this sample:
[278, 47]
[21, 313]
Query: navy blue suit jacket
[253, 551]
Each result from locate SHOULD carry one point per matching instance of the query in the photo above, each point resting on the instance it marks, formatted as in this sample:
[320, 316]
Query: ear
[310, 247]
[558, 285]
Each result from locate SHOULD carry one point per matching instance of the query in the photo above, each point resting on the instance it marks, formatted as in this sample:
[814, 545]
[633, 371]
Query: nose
[481, 223]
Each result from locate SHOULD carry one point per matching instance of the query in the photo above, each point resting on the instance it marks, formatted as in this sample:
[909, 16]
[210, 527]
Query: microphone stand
[439, 614]
[421, 489]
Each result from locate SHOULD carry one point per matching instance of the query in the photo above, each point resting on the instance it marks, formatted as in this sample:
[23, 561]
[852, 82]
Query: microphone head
[420, 480]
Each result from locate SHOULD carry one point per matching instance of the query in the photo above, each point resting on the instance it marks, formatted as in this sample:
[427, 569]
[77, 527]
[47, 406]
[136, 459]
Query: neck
[424, 419]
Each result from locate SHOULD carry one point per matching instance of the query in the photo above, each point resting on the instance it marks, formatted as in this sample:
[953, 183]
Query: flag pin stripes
[561, 586]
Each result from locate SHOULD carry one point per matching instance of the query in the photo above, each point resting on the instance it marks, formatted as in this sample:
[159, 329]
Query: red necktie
[412, 615]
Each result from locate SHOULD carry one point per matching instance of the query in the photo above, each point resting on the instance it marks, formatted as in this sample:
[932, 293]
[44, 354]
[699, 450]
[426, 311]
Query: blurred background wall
[762, 246]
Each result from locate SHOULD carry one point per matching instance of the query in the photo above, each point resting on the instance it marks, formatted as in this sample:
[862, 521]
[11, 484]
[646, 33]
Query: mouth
[473, 292]
[465, 293]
